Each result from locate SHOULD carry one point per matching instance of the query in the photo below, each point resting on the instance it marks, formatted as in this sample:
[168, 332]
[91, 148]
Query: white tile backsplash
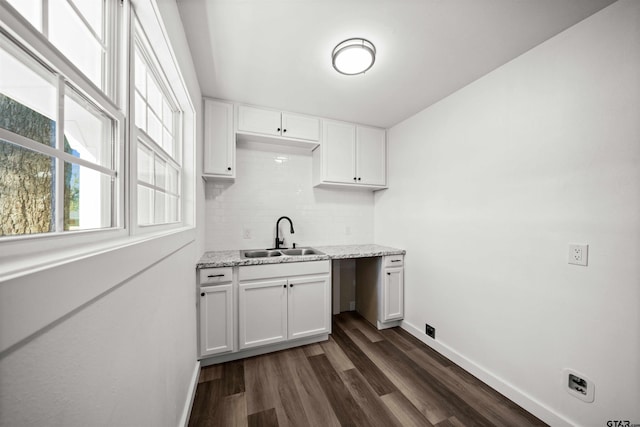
[274, 181]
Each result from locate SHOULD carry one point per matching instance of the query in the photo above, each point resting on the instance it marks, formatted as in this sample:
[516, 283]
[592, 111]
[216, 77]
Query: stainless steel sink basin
[260, 254]
[301, 251]
[266, 253]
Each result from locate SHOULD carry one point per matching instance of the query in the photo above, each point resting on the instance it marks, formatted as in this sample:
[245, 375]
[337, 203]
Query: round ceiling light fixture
[353, 56]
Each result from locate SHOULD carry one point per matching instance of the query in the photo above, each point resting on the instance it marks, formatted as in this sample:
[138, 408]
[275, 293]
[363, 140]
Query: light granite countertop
[233, 258]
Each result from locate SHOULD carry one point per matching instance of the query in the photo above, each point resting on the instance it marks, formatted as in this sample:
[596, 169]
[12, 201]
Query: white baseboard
[188, 404]
[532, 405]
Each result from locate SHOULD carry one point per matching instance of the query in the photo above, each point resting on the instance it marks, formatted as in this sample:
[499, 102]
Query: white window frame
[22, 254]
[140, 41]
[24, 36]
[109, 41]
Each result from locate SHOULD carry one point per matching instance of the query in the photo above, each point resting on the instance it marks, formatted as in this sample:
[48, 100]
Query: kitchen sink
[266, 253]
[260, 254]
[301, 251]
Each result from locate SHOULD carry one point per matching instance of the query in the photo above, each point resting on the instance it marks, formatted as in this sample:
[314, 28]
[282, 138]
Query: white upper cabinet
[339, 152]
[350, 155]
[219, 140]
[300, 127]
[257, 120]
[371, 158]
[278, 124]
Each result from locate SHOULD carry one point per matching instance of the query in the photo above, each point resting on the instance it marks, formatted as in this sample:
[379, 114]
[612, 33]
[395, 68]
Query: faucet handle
[294, 245]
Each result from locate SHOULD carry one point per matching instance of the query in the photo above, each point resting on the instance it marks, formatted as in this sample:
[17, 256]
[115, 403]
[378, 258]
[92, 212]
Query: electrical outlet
[430, 330]
[578, 254]
[246, 233]
[578, 385]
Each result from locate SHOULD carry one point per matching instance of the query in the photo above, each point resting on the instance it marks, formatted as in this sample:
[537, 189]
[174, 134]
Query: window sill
[14, 267]
[31, 298]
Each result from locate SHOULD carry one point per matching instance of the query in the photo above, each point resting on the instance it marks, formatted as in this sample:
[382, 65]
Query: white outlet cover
[590, 389]
[246, 233]
[578, 254]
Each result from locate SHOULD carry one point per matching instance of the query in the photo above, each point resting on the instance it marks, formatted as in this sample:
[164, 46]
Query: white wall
[488, 187]
[272, 182]
[124, 359]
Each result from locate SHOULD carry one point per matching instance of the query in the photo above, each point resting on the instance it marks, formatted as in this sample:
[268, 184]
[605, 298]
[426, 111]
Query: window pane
[154, 128]
[167, 143]
[172, 179]
[88, 132]
[145, 164]
[91, 11]
[74, 40]
[26, 191]
[141, 112]
[31, 10]
[87, 198]
[161, 172]
[172, 208]
[27, 99]
[154, 96]
[167, 116]
[145, 205]
[141, 74]
[160, 208]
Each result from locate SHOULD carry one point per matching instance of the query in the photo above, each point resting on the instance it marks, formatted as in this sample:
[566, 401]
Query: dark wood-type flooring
[360, 377]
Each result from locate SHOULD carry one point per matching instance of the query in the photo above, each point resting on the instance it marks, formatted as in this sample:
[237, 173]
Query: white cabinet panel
[309, 306]
[339, 152]
[219, 141]
[216, 275]
[393, 294]
[371, 158]
[275, 123]
[258, 120]
[300, 127]
[262, 312]
[350, 155]
[216, 319]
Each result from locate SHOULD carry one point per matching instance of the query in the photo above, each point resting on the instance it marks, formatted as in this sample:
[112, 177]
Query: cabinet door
[393, 294]
[371, 156]
[219, 143]
[216, 319]
[339, 151]
[300, 127]
[262, 312]
[257, 120]
[309, 306]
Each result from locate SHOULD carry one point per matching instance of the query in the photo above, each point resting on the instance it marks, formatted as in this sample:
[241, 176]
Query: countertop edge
[343, 253]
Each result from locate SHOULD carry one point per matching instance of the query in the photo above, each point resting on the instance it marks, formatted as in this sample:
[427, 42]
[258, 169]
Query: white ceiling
[276, 53]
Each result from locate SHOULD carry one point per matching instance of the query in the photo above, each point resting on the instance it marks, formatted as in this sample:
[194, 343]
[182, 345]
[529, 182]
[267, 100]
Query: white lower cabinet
[393, 294]
[216, 319]
[263, 312]
[274, 309]
[309, 306]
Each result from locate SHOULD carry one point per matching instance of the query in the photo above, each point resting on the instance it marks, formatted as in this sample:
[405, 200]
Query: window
[57, 151]
[63, 158]
[158, 122]
[80, 29]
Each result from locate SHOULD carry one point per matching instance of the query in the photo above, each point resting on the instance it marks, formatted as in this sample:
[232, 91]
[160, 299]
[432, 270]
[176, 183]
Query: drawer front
[394, 261]
[289, 269]
[216, 275]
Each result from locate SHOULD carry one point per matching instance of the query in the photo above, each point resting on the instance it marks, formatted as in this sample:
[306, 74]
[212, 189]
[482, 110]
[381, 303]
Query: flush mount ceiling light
[353, 56]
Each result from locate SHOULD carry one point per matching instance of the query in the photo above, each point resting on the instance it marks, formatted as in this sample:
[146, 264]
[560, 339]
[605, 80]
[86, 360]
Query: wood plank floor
[360, 377]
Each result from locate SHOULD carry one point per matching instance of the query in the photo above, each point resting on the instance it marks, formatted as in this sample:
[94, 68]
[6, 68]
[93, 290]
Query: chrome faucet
[278, 241]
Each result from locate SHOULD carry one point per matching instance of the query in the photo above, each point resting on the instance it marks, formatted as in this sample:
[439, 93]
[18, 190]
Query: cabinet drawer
[290, 269]
[216, 275]
[394, 260]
